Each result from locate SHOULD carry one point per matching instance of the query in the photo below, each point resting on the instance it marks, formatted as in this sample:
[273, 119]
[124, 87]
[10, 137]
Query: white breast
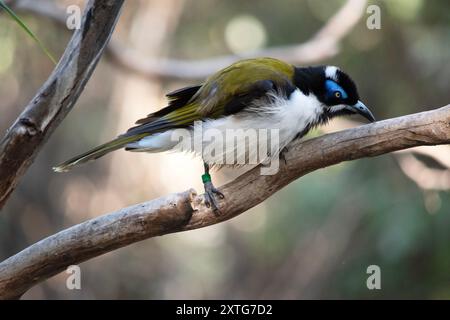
[296, 114]
[286, 116]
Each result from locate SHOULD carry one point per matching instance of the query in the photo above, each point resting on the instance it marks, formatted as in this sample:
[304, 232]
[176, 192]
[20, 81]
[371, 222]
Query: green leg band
[206, 178]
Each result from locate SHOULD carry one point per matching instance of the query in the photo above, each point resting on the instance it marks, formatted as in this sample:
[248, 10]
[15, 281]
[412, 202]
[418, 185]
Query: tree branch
[414, 168]
[324, 44]
[186, 211]
[58, 95]
[425, 177]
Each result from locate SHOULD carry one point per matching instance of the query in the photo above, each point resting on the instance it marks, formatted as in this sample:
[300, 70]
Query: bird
[252, 94]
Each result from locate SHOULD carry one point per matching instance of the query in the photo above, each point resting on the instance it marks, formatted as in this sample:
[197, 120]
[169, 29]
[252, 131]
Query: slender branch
[414, 168]
[186, 211]
[324, 44]
[58, 95]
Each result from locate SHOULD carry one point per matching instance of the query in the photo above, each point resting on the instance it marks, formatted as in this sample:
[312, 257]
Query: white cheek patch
[331, 72]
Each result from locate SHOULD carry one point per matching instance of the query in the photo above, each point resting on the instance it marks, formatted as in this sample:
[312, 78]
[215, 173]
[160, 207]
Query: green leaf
[27, 30]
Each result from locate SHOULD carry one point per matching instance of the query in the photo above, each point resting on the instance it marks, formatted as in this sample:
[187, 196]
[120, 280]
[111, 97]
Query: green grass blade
[27, 30]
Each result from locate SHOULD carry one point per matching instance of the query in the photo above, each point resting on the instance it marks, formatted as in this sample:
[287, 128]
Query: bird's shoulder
[242, 82]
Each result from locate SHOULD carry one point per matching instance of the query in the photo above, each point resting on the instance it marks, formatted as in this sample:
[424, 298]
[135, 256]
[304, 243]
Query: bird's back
[218, 96]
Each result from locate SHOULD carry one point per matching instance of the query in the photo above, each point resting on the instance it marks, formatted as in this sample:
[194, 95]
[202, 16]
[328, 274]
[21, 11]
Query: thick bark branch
[58, 95]
[324, 44]
[186, 211]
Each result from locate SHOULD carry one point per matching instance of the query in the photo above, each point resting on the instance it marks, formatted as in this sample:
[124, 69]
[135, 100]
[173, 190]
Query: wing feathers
[177, 99]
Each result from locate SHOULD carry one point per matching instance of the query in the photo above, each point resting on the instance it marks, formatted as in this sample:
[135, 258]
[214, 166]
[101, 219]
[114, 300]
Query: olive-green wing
[226, 92]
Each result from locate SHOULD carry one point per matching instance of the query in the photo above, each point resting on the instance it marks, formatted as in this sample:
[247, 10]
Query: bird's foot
[211, 194]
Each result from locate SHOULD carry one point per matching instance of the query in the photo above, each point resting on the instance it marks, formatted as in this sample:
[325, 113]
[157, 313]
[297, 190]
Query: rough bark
[57, 96]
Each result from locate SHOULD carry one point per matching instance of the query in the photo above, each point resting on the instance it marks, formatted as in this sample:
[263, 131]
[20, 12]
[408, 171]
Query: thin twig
[323, 45]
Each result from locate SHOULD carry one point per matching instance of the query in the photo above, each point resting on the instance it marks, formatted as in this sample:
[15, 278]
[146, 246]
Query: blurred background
[316, 237]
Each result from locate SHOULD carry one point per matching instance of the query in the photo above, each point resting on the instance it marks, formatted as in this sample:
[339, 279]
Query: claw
[282, 154]
[210, 196]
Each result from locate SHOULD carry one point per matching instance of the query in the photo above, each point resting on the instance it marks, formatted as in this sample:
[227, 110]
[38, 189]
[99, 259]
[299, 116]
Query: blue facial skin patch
[332, 86]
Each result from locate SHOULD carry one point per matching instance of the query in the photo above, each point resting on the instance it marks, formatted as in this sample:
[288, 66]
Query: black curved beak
[361, 109]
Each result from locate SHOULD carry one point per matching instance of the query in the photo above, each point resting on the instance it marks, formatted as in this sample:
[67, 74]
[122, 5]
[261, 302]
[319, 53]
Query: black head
[334, 89]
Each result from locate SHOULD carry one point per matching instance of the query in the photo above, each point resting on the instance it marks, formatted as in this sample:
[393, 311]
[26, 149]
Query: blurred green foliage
[26, 29]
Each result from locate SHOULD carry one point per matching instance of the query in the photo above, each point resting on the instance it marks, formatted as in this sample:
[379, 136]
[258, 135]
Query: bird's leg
[210, 190]
[282, 154]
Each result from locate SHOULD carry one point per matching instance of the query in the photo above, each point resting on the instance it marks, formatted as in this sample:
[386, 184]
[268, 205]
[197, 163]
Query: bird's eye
[337, 94]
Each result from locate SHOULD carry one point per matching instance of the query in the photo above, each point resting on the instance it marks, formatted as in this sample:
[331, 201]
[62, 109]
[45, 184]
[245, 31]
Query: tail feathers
[96, 153]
